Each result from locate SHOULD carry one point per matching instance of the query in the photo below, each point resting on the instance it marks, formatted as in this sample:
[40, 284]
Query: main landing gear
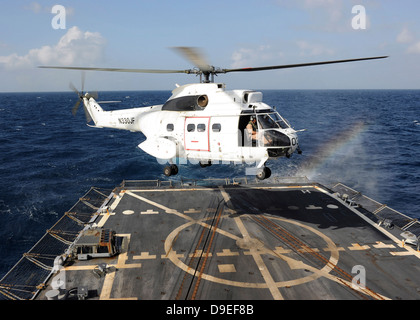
[170, 170]
[263, 173]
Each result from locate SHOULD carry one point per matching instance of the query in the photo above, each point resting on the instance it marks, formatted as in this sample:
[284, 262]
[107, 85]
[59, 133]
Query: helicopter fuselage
[206, 123]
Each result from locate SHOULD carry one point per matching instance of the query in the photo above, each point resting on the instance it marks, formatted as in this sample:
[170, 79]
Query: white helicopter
[204, 122]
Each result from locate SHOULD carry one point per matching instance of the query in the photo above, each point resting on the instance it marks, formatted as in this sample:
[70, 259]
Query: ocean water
[369, 140]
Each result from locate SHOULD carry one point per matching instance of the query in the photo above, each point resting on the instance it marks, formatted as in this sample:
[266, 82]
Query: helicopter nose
[291, 137]
[293, 141]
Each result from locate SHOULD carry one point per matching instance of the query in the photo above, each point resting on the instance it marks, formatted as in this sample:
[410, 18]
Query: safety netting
[32, 271]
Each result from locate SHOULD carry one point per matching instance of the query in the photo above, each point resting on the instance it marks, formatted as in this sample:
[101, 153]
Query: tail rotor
[82, 95]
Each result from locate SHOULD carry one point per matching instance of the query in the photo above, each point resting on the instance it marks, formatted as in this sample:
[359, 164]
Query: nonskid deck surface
[243, 242]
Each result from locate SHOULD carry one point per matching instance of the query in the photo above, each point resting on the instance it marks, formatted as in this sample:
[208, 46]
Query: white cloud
[35, 7]
[75, 47]
[415, 48]
[332, 8]
[313, 49]
[405, 36]
[249, 57]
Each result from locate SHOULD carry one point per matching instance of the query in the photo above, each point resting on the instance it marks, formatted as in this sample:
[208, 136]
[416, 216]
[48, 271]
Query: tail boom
[125, 119]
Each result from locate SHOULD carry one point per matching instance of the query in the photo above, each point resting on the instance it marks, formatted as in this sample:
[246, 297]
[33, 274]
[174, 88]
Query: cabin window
[170, 127]
[201, 127]
[216, 127]
[191, 127]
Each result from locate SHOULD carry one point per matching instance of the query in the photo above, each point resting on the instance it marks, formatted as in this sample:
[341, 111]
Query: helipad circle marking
[330, 264]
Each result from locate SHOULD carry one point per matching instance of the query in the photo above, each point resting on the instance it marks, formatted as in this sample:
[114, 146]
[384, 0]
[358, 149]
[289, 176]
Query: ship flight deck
[224, 240]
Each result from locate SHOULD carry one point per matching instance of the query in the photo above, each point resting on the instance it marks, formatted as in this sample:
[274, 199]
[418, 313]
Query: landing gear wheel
[170, 170]
[263, 173]
[174, 169]
[267, 172]
[167, 171]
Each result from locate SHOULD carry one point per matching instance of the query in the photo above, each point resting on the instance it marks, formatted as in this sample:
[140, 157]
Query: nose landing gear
[263, 173]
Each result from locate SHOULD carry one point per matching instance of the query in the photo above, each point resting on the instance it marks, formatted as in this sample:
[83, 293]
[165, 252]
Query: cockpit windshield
[272, 121]
[283, 123]
[266, 122]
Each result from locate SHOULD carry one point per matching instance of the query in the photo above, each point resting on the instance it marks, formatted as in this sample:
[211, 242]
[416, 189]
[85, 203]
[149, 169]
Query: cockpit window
[266, 122]
[276, 117]
[280, 120]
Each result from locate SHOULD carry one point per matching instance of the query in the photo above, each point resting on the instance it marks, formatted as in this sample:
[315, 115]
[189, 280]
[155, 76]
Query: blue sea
[368, 140]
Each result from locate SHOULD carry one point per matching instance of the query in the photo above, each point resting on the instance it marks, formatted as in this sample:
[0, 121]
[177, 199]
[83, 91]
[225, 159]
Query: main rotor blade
[299, 65]
[118, 69]
[195, 56]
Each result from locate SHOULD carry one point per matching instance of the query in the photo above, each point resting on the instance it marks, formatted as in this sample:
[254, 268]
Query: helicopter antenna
[207, 71]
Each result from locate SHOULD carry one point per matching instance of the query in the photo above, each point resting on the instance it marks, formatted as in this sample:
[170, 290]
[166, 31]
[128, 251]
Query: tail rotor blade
[94, 95]
[75, 108]
[88, 117]
[72, 87]
[83, 81]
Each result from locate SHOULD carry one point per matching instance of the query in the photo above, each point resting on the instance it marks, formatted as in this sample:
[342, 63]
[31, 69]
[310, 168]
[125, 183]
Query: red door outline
[196, 141]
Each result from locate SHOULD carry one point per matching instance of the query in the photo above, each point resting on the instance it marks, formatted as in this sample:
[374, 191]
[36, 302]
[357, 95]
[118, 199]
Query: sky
[230, 33]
